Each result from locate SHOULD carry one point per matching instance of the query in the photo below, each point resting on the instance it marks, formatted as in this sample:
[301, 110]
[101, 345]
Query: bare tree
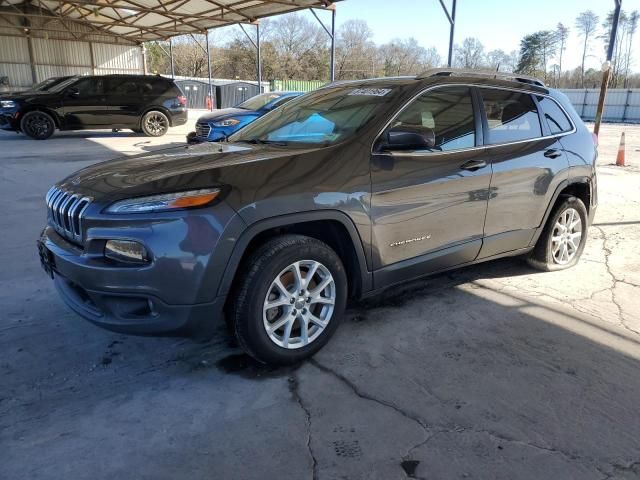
[406, 57]
[355, 51]
[562, 34]
[633, 27]
[470, 54]
[586, 23]
[498, 60]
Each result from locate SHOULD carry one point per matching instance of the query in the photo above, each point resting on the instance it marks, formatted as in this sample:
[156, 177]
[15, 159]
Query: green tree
[562, 34]
[530, 54]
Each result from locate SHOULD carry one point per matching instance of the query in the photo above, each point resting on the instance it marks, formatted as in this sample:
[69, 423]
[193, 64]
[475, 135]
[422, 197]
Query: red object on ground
[620, 157]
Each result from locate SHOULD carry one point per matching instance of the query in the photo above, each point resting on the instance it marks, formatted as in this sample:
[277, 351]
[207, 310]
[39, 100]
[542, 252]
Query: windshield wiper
[260, 141]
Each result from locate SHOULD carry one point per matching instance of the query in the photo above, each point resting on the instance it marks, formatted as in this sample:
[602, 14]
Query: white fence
[621, 105]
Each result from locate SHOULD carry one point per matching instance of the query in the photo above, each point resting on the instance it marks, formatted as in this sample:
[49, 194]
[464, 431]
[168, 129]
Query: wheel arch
[41, 108]
[581, 187]
[334, 228]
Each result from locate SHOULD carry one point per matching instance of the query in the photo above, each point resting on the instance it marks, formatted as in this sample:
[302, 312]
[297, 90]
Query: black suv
[146, 104]
[340, 193]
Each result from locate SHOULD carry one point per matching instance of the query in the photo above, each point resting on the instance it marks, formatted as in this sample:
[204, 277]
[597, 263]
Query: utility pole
[606, 68]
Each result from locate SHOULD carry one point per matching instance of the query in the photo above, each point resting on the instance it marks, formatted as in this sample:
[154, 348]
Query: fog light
[125, 251]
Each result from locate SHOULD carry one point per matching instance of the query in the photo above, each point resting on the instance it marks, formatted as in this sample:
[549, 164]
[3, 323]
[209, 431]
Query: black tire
[154, 124]
[258, 272]
[542, 256]
[37, 125]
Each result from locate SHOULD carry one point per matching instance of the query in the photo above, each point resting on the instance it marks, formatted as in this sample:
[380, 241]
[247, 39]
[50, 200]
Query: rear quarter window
[554, 116]
[511, 116]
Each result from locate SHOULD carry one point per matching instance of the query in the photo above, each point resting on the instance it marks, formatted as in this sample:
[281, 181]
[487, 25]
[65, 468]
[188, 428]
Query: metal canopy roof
[142, 20]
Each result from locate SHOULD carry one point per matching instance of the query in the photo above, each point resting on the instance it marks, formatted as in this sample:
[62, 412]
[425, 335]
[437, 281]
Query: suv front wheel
[564, 236]
[37, 125]
[289, 300]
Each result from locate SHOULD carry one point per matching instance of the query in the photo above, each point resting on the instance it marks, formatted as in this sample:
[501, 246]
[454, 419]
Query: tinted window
[554, 116]
[447, 112]
[512, 116]
[122, 86]
[89, 86]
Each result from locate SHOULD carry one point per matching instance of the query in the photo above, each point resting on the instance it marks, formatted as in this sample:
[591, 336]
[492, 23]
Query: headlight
[7, 103]
[168, 201]
[229, 122]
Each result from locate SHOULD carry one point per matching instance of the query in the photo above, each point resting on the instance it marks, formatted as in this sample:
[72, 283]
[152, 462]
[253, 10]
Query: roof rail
[450, 72]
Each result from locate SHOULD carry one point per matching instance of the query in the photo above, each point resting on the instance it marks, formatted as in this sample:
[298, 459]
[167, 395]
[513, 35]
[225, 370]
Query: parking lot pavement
[493, 371]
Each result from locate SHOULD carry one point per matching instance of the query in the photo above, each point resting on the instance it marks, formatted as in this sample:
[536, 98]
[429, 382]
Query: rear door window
[446, 113]
[511, 116]
[122, 86]
[554, 116]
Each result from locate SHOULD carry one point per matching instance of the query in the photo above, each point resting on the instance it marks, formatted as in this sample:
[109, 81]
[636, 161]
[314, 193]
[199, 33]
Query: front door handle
[552, 153]
[473, 165]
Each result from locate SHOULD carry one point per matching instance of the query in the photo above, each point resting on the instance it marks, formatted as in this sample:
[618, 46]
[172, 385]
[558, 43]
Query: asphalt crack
[607, 253]
[293, 388]
[360, 394]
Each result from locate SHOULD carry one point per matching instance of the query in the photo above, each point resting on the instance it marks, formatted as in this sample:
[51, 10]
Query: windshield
[259, 101]
[324, 116]
[48, 83]
[62, 85]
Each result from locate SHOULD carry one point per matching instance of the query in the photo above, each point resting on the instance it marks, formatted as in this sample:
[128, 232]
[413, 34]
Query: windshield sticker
[375, 92]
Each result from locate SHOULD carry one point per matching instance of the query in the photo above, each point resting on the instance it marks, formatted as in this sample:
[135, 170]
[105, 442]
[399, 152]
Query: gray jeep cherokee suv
[340, 193]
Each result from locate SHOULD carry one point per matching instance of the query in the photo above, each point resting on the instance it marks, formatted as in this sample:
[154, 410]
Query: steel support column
[209, 70]
[607, 67]
[173, 72]
[452, 22]
[333, 43]
[332, 61]
[258, 57]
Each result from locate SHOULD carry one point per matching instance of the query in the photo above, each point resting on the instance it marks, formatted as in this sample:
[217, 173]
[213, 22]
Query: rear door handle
[552, 153]
[473, 165]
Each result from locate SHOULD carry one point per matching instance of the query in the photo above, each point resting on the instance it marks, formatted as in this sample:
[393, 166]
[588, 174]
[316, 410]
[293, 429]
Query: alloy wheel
[299, 304]
[37, 125]
[156, 124]
[566, 236]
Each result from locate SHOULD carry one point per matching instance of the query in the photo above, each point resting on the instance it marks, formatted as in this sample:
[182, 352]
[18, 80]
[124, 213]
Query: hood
[224, 113]
[169, 170]
[24, 95]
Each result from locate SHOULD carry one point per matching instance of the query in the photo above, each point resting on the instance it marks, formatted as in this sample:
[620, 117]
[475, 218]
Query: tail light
[595, 139]
[182, 100]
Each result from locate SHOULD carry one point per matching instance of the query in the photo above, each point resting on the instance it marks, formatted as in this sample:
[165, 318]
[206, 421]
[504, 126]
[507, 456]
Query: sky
[496, 23]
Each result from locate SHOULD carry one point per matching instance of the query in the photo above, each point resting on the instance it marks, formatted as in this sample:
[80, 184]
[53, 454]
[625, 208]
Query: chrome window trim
[468, 149]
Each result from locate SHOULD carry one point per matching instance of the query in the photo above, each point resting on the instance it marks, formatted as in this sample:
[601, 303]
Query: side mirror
[409, 137]
[73, 92]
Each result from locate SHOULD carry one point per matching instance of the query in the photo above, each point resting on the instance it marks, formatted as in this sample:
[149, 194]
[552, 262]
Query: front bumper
[88, 289]
[9, 120]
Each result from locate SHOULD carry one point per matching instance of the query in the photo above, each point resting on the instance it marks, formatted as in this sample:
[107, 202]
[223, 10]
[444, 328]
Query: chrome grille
[203, 129]
[64, 212]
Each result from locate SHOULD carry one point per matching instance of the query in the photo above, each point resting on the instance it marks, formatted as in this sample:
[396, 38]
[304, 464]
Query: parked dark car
[146, 104]
[340, 193]
[218, 125]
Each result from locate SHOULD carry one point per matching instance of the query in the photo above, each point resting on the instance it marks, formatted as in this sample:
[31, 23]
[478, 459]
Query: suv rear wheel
[154, 124]
[37, 125]
[289, 300]
[564, 236]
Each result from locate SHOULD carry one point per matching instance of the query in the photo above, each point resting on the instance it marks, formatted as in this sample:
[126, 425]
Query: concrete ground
[490, 372]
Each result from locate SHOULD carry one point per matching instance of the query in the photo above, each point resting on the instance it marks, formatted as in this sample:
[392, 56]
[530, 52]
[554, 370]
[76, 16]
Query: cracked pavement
[490, 372]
